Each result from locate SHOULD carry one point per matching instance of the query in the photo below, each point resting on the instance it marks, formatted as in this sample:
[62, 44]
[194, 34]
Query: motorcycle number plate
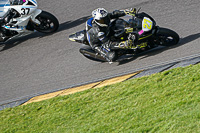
[147, 24]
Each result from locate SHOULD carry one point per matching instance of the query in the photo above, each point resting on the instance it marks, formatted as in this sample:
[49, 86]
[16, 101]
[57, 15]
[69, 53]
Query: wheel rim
[165, 40]
[45, 24]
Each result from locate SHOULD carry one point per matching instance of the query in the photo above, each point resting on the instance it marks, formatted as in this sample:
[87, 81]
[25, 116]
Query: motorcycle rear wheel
[166, 37]
[49, 23]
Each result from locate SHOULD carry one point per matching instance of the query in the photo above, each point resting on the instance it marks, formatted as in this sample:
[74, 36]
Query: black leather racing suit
[96, 41]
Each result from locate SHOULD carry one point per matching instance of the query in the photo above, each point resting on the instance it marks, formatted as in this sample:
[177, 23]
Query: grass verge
[163, 102]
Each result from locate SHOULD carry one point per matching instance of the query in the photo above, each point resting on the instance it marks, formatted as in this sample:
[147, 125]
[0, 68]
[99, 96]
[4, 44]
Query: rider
[98, 31]
[8, 16]
[12, 13]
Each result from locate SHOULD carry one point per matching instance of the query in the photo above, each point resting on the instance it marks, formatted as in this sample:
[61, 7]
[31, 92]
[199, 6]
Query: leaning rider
[97, 29]
[10, 14]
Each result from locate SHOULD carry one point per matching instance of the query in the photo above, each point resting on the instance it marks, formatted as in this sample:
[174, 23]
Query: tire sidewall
[48, 15]
[165, 31]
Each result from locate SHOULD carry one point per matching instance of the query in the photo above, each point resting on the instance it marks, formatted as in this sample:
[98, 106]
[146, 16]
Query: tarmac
[104, 82]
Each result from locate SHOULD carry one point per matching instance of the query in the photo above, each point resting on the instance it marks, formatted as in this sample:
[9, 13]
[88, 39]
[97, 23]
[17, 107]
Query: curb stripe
[82, 88]
[115, 80]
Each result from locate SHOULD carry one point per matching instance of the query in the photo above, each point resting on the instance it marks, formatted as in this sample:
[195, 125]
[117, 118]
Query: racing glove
[117, 14]
[131, 11]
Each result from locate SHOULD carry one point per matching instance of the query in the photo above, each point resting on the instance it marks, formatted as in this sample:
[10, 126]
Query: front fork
[34, 15]
[155, 31]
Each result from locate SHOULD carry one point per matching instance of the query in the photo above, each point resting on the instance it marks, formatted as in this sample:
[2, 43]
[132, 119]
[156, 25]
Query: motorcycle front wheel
[48, 23]
[166, 37]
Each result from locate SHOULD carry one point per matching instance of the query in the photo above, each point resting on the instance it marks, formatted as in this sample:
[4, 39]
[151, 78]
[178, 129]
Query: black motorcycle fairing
[118, 30]
[143, 14]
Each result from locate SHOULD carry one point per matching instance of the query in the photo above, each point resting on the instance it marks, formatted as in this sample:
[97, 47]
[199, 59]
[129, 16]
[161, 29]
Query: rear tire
[166, 37]
[49, 23]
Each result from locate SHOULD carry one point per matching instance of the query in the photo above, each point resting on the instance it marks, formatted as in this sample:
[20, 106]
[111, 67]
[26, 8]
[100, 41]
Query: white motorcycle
[27, 19]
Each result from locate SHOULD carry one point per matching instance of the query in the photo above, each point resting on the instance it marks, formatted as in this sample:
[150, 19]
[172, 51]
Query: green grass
[163, 102]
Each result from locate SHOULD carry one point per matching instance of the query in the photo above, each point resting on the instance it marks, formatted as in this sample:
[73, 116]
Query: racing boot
[110, 56]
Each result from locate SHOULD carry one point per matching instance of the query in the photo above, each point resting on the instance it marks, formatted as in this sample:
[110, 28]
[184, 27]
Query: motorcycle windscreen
[3, 4]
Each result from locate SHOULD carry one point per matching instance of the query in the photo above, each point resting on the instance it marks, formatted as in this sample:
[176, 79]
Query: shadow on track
[70, 24]
[161, 49]
[63, 26]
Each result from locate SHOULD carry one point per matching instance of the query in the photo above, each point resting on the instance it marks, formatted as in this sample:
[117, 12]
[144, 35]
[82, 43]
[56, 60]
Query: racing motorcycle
[27, 20]
[150, 36]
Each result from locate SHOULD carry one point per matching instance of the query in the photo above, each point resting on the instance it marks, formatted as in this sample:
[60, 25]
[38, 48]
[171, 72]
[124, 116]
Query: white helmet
[101, 17]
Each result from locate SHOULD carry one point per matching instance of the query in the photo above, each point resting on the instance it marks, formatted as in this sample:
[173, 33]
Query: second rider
[97, 29]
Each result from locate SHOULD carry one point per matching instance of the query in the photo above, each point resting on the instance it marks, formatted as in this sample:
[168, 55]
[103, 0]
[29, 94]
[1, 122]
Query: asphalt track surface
[42, 63]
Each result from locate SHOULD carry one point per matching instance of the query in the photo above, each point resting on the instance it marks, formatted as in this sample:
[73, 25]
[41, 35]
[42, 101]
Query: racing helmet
[101, 17]
[17, 2]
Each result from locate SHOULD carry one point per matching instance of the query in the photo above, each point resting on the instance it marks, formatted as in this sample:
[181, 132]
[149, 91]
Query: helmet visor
[104, 22]
[101, 21]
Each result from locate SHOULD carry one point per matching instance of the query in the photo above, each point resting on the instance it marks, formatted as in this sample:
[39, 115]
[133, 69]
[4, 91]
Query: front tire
[48, 23]
[166, 37]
